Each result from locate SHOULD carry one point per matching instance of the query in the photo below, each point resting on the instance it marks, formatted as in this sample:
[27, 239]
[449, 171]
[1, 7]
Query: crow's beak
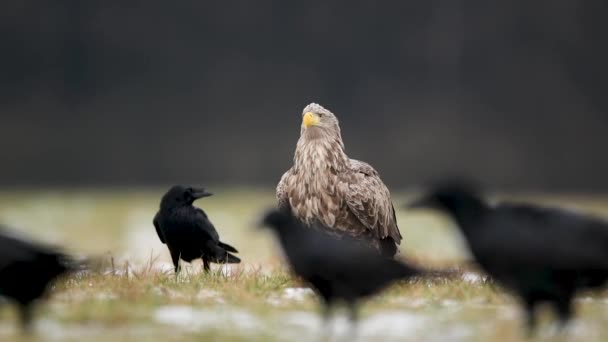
[200, 193]
[273, 218]
[262, 222]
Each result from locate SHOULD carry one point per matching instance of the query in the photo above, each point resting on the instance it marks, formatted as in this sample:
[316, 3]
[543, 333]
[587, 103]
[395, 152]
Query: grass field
[133, 294]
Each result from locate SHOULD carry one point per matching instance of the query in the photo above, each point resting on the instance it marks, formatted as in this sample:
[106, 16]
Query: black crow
[541, 254]
[26, 269]
[187, 231]
[338, 269]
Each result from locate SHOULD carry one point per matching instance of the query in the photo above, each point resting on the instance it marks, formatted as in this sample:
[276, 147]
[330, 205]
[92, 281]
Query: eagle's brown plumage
[342, 193]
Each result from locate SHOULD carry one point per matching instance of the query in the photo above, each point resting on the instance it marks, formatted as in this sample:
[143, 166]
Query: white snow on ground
[473, 278]
[76, 296]
[297, 294]
[409, 302]
[52, 330]
[292, 294]
[307, 326]
[192, 319]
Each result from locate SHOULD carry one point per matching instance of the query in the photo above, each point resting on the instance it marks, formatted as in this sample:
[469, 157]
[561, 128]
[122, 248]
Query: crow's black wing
[204, 225]
[157, 227]
[528, 237]
[227, 247]
[14, 250]
[347, 263]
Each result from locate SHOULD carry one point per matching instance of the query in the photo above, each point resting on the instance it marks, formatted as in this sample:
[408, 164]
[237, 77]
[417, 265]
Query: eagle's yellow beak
[310, 119]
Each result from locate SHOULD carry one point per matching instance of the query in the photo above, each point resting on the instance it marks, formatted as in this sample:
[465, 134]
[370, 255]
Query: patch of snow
[53, 330]
[393, 324]
[450, 303]
[298, 294]
[204, 295]
[274, 301]
[388, 325]
[193, 319]
[294, 294]
[473, 278]
[301, 325]
[414, 303]
[508, 313]
[106, 296]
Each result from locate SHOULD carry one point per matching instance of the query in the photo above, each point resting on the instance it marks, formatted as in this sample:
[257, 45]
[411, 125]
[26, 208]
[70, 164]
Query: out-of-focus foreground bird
[346, 195]
[187, 231]
[541, 254]
[26, 270]
[344, 270]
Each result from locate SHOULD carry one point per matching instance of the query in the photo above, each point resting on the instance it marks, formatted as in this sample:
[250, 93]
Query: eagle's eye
[320, 115]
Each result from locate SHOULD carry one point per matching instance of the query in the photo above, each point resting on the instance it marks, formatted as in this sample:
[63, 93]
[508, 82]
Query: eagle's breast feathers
[352, 200]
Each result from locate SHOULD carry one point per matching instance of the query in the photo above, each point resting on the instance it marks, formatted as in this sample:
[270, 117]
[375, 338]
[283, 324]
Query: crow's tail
[231, 259]
[227, 247]
[75, 264]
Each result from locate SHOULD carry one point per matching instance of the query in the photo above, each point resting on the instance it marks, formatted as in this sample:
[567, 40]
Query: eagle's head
[318, 122]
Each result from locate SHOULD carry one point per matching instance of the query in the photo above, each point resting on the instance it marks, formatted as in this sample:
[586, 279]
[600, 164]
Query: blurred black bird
[543, 255]
[26, 270]
[187, 231]
[338, 269]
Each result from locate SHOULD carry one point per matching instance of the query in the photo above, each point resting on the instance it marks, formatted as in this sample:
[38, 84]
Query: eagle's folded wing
[282, 194]
[370, 201]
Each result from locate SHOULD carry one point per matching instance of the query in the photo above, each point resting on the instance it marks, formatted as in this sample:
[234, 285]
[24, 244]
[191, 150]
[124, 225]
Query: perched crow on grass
[339, 269]
[26, 269]
[187, 231]
[541, 254]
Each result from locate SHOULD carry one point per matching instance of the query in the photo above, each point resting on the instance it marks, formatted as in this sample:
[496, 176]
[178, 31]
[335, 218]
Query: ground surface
[133, 294]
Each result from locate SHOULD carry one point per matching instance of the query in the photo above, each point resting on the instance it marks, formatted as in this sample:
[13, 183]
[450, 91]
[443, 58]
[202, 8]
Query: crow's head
[449, 195]
[278, 220]
[179, 196]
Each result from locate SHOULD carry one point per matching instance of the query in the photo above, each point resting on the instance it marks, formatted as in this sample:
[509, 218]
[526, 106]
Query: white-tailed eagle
[345, 194]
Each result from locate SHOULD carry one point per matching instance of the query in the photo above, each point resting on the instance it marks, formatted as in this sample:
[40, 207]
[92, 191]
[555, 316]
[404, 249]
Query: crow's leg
[206, 265]
[563, 307]
[353, 316]
[530, 308]
[326, 311]
[25, 317]
[175, 255]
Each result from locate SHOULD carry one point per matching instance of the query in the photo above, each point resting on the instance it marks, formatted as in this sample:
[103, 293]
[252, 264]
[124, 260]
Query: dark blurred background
[110, 92]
